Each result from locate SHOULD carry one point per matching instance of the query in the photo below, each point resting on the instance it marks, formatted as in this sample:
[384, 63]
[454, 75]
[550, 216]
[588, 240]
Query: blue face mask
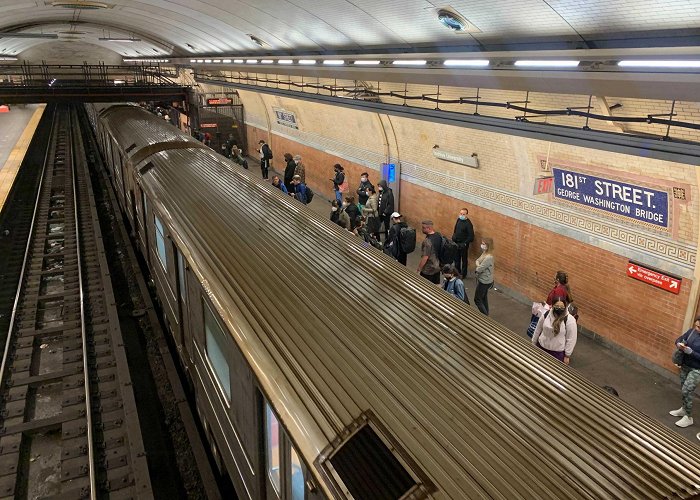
[462, 217]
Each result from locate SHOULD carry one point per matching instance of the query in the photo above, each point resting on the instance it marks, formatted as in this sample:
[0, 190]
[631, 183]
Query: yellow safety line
[11, 167]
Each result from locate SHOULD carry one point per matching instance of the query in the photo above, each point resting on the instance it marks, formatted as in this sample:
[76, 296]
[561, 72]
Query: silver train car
[324, 369]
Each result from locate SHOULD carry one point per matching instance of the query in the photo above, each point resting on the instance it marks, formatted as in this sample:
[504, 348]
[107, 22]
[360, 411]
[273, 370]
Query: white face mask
[363, 179]
[484, 247]
[345, 204]
[333, 209]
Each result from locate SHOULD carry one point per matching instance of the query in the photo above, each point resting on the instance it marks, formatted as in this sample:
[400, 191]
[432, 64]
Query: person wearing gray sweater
[484, 275]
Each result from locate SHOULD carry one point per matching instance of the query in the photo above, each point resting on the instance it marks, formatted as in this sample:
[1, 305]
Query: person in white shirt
[556, 332]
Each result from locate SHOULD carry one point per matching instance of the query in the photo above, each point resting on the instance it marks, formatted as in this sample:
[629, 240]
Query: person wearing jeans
[689, 346]
[484, 275]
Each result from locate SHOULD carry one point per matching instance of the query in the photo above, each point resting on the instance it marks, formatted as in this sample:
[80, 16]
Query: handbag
[343, 188]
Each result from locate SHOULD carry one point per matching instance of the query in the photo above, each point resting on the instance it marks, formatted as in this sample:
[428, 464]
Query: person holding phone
[689, 345]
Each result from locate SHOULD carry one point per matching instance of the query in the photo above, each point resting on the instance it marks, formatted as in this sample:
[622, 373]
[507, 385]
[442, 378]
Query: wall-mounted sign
[467, 161]
[219, 101]
[543, 185]
[389, 172]
[208, 125]
[655, 278]
[286, 118]
[636, 202]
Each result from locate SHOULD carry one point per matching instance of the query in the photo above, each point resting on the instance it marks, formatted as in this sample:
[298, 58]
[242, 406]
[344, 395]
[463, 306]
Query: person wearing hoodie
[385, 205]
[362, 190]
[392, 244]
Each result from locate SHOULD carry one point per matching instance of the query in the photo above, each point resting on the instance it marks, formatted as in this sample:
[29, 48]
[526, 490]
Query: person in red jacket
[561, 288]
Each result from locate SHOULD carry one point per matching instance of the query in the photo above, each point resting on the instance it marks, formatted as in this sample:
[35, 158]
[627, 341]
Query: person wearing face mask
[484, 276]
[362, 190]
[339, 216]
[556, 332]
[351, 208]
[688, 346]
[371, 212]
[463, 235]
[339, 184]
[385, 204]
[453, 283]
[290, 167]
[299, 169]
[561, 288]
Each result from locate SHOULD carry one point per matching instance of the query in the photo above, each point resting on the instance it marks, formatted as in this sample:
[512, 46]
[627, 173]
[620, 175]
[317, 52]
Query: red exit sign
[543, 185]
[654, 278]
[219, 101]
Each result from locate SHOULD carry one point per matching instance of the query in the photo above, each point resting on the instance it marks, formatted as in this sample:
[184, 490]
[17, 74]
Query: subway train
[322, 368]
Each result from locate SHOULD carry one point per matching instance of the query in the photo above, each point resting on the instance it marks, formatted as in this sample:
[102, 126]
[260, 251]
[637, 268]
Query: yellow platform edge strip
[11, 167]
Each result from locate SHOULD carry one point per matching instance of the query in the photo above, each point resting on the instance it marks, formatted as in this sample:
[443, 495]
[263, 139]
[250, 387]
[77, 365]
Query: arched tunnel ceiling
[191, 27]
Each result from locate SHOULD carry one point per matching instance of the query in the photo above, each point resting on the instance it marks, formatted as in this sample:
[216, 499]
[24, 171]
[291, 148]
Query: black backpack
[407, 239]
[309, 195]
[448, 251]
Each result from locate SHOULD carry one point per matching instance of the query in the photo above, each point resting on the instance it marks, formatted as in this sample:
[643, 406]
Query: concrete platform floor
[651, 393]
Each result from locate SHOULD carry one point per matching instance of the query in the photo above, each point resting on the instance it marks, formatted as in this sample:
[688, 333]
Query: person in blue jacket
[453, 284]
[299, 190]
[279, 185]
[689, 345]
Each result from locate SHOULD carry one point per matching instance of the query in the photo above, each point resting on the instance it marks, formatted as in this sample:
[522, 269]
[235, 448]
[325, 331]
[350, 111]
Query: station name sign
[653, 277]
[636, 202]
[467, 161]
[219, 101]
[286, 118]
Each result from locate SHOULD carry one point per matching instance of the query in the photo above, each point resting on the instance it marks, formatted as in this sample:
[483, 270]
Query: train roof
[336, 331]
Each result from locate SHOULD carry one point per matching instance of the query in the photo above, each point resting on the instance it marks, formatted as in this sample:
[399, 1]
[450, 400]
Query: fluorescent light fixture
[334, 62]
[285, 61]
[10, 34]
[547, 63]
[150, 60]
[660, 64]
[120, 40]
[266, 61]
[119, 82]
[251, 61]
[238, 61]
[193, 60]
[226, 61]
[411, 62]
[307, 61]
[466, 62]
[366, 62]
[207, 61]
[217, 60]
[7, 58]
[200, 60]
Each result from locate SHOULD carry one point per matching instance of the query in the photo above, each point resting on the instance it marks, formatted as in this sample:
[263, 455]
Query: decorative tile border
[651, 248]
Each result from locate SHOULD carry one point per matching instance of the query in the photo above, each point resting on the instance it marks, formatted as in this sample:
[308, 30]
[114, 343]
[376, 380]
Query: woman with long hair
[484, 275]
[556, 331]
[561, 288]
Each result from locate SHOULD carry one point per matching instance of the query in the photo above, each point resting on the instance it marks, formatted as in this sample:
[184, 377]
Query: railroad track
[68, 421]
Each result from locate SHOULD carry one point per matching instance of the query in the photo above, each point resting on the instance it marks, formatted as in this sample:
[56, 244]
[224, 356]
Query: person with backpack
[556, 332]
[463, 235]
[392, 244]
[687, 356]
[385, 205]
[453, 283]
[300, 191]
[352, 210]
[362, 232]
[339, 184]
[429, 265]
[279, 184]
[484, 276]
[265, 157]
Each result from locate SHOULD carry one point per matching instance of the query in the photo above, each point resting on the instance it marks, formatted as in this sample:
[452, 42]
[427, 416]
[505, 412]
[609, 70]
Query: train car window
[297, 476]
[181, 276]
[160, 243]
[272, 448]
[214, 346]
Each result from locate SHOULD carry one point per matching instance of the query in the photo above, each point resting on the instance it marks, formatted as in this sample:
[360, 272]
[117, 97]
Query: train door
[183, 308]
[286, 476]
[143, 223]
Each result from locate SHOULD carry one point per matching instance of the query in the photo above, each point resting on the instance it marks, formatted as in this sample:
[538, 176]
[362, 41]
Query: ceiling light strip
[467, 62]
[553, 63]
[659, 64]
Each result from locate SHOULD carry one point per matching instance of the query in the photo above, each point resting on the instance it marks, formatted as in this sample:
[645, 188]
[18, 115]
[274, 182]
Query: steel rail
[83, 332]
[18, 295]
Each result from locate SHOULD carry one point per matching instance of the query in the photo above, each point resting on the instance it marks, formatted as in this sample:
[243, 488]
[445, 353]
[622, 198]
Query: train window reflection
[215, 352]
[160, 243]
[272, 447]
[297, 473]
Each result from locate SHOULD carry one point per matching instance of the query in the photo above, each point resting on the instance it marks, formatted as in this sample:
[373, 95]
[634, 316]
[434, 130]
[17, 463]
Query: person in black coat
[385, 206]
[362, 190]
[392, 245]
[289, 171]
[463, 235]
[265, 157]
[351, 209]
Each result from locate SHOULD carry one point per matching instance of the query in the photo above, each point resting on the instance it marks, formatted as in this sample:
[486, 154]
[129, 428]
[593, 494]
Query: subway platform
[651, 392]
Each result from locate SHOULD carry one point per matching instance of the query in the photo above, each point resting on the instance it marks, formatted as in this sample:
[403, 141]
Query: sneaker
[685, 421]
[680, 412]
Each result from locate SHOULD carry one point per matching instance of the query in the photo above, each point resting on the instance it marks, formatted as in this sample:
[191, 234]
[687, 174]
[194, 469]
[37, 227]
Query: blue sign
[637, 202]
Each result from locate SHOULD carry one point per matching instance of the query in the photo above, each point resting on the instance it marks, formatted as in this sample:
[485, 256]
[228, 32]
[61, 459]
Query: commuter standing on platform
[351, 209]
[393, 239]
[688, 346]
[463, 235]
[371, 212]
[362, 190]
[453, 284]
[289, 170]
[561, 288]
[484, 275]
[429, 265]
[279, 184]
[556, 332]
[339, 184]
[265, 157]
[385, 204]
[299, 190]
[299, 168]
